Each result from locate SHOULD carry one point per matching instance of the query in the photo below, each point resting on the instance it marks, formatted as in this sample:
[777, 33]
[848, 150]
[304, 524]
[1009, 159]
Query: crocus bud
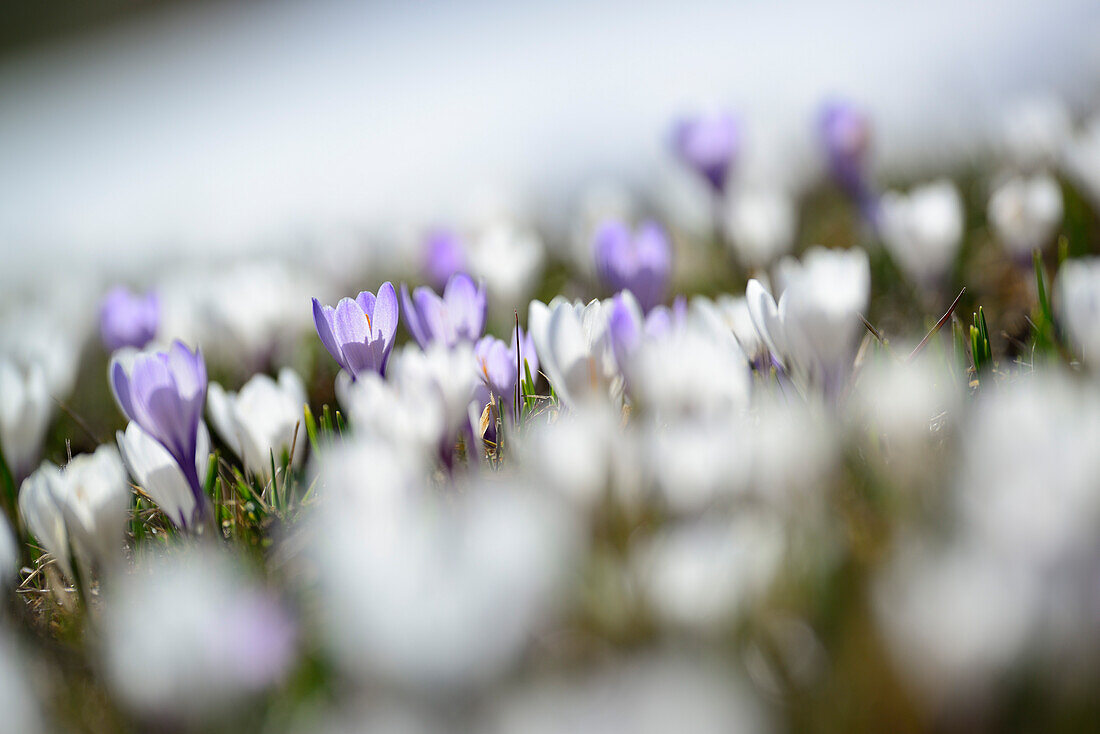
[499, 366]
[155, 471]
[25, 410]
[709, 144]
[128, 320]
[1025, 214]
[923, 230]
[262, 421]
[639, 261]
[164, 393]
[94, 498]
[444, 255]
[42, 515]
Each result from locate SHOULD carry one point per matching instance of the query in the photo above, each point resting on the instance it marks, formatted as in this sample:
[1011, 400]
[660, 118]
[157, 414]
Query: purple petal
[365, 299]
[353, 335]
[122, 388]
[413, 319]
[434, 320]
[322, 320]
[385, 315]
[465, 306]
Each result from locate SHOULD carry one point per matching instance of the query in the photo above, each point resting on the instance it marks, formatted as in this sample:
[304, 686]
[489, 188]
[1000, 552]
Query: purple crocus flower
[163, 393]
[127, 319]
[444, 255]
[458, 316]
[359, 333]
[640, 262]
[709, 144]
[845, 134]
[499, 366]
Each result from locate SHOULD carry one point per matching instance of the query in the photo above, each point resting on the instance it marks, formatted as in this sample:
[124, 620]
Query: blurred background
[132, 133]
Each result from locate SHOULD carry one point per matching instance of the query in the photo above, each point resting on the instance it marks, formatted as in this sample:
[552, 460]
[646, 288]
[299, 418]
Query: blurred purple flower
[164, 393]
[640, 262]
[127, 319]
[444, 255]
[845, 132]
[359, 333]
[627, 327]
[709, 144]
[458, 316]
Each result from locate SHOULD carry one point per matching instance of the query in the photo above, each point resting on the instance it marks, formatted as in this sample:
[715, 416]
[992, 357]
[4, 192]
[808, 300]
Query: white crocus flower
[1035, 132]
[40, 340]
[261, 421]
[25, 411]
[815, 327]
[761, 226]
[94, 498]
[447, 374]
[573, 342]
[1026, 212]
[158, 475]
[1081, 160]
[1077, 298]
[923, 230]
[734, 314]
[42, 514]
[509, 260]
[9, 554]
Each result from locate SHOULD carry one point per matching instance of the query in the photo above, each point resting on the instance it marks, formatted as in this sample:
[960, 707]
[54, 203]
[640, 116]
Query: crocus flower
[509, 259]
[444, 255]
[42, 515]
[1025, 213]
[709, 144]
[459, 315]
[574, 346]
[846, 137]
[262, 420]
[25, 411]
[164, 393]
[157, 474]
[923, 230]
[127, 319]
[640, 262]
[359, 333]
[9, 554]
[1077, 298]
[94, 500]
[499, 367]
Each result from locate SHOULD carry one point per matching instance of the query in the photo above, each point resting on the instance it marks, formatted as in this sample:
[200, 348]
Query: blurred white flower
[650, 695]
[691, 371]
[42, 515]
[1026, 212]
[407, 419]
[697, 464]
[25, 412]
[435, 594]
[904, 404]
[189, 634]
[1077, 300]
[760, 225]
[158, 475]
[1035, 132]
[793, 448]
[448, 375]
[572, 456]
[734, 313]
[94, 500]
[1081, 160]
[262, 421]
[954, 619]
[47, 340]
[923, 230]
[509, 260]
[699, 574]
[9, 554]
[22, 710]
[242, 314]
